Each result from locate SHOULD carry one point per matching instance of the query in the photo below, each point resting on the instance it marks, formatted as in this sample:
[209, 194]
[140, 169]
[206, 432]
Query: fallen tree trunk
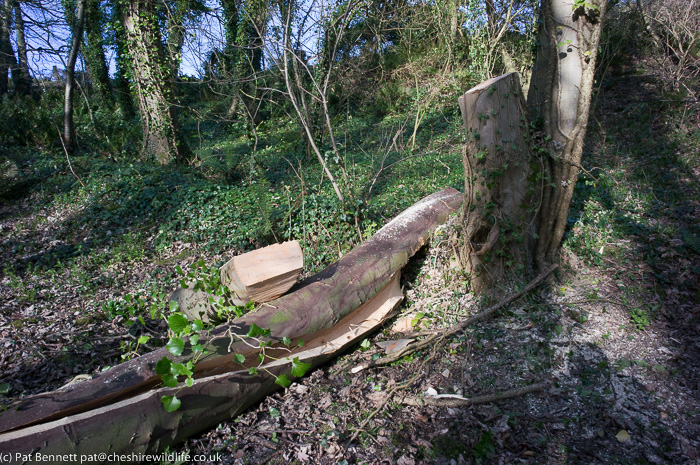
[317, 305]
[127, 430]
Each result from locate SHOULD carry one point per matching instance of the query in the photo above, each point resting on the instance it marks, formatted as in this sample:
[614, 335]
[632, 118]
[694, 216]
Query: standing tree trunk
[24, 83]
[68, 126]
[558, 102]
[152, 83]
[503, 229]
[94, 53]
[121, 59]
[176, 33]
[7, 55]
[498, 211]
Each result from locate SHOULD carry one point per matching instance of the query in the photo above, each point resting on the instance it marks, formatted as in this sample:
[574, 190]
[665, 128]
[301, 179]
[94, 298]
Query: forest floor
[614, 333]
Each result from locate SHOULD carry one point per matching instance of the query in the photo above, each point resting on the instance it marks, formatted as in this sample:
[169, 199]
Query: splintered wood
[264, 274]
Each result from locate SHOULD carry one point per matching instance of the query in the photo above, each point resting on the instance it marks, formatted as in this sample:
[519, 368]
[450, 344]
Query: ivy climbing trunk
[558, 103]
[152, 83]
[498, 214]
[121, 61]
[94, 53]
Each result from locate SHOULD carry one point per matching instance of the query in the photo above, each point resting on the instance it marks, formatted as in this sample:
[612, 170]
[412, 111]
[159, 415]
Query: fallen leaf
[302, 454]
[404, 324]
[623, 436]
[394, 346]
[377, 397]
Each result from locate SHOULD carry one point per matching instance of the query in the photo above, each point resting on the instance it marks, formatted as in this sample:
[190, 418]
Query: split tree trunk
[501, 186]
[498, 211]
[140, 424]
[559, 100]
[121, 408]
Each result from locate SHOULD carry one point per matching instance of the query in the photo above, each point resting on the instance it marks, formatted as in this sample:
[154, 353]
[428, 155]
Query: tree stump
[498, 212]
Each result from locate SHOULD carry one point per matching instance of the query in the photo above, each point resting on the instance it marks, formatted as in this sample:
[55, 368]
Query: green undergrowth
[636, 202]
[91, 230]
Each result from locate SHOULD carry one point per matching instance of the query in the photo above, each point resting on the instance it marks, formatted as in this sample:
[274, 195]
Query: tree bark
[24, 82]
[152, 83]
[312, 308]
[559, 102]
[77, 29]
[498, 212]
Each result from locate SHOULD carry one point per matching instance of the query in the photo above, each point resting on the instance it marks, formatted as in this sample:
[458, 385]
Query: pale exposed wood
[264, 274]
[140, 425]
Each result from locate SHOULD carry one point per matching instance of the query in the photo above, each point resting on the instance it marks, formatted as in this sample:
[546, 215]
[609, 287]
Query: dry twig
[458, 401]
[457, 327]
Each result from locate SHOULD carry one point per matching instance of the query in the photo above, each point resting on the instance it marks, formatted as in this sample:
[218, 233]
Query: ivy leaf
[253, 371]
[197, 325]
[174, 306]
[169, 380]
[286, 341]
[163, 366]
[181, 369]
[299, 368]
[175, 346]
[283, 381]
[239, 358]
[256, 331]
[177, 322]
[144, 339]
[171, 403]
[189, 381]
[194, 339]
